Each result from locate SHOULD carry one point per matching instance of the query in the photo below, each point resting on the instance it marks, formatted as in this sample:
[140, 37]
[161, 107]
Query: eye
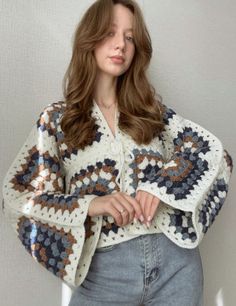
[129, 38]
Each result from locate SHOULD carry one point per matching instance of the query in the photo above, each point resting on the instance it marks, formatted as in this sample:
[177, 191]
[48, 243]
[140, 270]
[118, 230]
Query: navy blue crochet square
[211, 205]
[182, 221]
[96, 179]
[33, 168]
[47, 245]
[182, 172]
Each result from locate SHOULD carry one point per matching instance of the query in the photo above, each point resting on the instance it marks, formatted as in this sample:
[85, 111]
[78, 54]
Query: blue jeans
[146, 270]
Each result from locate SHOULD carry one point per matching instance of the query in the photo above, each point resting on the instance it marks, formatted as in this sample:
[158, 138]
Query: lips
[118, 58]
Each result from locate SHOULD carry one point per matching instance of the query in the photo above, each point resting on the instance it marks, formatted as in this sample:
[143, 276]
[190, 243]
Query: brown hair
[139, 107]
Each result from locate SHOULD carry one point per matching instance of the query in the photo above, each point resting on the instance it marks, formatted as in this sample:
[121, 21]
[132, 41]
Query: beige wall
[193, 68]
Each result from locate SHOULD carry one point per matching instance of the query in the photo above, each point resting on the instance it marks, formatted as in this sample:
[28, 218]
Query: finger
[142, 201]
[136, 205]
[137, 199]
[115, 208]
[115, 213]
[147, 208]
[124, 215]
[137, 196]
[123, 204]
[154, 206]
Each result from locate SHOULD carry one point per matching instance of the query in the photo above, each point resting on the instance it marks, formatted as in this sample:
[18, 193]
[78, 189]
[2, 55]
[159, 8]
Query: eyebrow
[129, 29]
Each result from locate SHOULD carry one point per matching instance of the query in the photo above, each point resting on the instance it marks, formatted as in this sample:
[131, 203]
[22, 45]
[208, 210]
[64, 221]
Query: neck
[105, 91]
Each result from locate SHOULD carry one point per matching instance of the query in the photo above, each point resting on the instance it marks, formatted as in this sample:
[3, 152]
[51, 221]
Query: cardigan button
[97, 117]
[115, 147]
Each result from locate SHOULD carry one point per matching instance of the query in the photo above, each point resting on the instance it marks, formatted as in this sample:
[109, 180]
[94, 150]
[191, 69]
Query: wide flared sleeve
[191, 179]
[49, 222]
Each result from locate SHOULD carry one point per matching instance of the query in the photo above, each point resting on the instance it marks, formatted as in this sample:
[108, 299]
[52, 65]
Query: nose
[119, 42]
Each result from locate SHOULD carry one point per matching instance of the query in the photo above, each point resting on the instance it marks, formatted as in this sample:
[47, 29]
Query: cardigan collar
[97, 113]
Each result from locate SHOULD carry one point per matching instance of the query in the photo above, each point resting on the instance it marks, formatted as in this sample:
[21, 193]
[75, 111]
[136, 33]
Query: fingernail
[141, 218]
[149, 218]
[148, 224]
[135, 220]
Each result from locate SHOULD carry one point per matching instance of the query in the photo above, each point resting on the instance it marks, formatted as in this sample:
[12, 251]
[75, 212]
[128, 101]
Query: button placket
[117, 150]
[116, 147]
[104, 123]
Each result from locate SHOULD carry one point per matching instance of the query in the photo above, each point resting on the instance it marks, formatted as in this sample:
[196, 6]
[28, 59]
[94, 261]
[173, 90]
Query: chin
[122, 70]
[117, 73]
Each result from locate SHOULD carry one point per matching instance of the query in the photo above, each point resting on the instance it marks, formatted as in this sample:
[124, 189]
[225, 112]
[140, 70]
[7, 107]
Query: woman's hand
[119, 205]
[149, 204]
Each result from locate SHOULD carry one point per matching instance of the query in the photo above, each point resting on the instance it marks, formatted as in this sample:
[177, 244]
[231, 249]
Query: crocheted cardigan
[49, 186]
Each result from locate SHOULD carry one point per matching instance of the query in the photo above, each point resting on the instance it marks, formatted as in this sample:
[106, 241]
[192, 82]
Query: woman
[113, 191]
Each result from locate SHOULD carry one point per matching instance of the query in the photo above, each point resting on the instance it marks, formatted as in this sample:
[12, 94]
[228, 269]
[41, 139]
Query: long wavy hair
[138, 104]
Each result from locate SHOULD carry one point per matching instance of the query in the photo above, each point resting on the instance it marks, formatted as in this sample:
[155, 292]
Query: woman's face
[119, 42]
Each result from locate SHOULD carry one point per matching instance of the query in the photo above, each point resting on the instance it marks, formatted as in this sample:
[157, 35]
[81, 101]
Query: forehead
[122, 16]
[126, 29]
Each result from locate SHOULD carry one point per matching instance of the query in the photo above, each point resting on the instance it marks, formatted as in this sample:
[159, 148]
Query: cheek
[132, 53]
[98, 53]
[99, 50]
